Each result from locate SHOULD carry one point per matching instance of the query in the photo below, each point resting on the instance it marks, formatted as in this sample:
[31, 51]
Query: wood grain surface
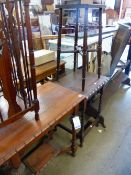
[56, 102]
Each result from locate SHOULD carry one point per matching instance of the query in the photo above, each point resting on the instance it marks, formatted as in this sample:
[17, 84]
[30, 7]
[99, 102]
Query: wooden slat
[40, 157]
[46, 37]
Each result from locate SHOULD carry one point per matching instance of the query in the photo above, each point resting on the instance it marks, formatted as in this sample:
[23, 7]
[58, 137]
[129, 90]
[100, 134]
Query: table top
[55, 103]
[73, 81]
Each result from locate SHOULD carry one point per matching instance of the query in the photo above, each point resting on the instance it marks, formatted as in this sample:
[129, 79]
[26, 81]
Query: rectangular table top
[73, 81]
[55, 103]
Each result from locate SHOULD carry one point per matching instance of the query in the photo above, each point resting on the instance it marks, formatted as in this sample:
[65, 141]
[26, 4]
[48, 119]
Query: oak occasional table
[56, 103]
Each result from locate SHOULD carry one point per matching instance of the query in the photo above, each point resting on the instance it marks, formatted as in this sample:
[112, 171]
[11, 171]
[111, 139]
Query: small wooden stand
[81, 80]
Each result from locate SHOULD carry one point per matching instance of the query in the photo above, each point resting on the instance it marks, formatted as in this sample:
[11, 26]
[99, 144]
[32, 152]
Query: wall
[36, 2]
[126, 3]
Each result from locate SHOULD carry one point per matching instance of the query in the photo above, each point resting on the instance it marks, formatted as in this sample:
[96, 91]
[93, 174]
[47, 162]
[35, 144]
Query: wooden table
[73, 81]
[56, 102]
[93, 86]
[45, 70]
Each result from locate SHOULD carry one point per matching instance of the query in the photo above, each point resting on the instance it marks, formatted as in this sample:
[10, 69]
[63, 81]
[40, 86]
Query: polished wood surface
[9, 90]
[92, 82]
[39, 158]
[42, 73]
[93, 86]
[48, 69]
[56, 102]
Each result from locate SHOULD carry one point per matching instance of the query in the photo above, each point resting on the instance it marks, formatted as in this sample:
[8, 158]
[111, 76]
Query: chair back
[17, 73]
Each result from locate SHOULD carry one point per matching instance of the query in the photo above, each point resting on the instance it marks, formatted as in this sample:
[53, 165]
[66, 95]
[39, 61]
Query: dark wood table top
[56, 102]
[73, 81]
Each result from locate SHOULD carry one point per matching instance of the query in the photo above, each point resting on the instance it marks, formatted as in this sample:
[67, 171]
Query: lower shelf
[37, 160]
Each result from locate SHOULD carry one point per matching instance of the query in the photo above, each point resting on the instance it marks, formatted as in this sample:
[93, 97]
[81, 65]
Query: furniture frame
[92, 84]
[85, 49]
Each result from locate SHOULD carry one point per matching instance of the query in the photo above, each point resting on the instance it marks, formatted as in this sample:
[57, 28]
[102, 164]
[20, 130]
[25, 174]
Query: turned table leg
[15, 161]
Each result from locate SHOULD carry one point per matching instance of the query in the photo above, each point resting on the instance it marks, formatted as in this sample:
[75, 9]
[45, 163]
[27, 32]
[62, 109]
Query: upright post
[99, 47]
[85, 47]
[59, 44]
[127, 70]
[31, 57]
[76, 38]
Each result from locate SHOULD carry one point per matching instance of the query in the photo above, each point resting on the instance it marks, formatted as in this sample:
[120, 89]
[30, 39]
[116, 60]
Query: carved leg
[127, 82]
[59, 44]
[50, 134]
[100, 119]
[36, 115]
[82, 125]
[1, 118]
[73, 145]
[91, 111]
[36, 102]
[76, 39]
[15, 161]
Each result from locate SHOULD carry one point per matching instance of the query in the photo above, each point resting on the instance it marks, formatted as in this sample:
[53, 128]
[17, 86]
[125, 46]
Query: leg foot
[127, 82]
[101, 121]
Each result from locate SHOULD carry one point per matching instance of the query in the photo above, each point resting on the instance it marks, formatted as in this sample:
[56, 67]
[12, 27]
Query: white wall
[36, 2]
[110, 4]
